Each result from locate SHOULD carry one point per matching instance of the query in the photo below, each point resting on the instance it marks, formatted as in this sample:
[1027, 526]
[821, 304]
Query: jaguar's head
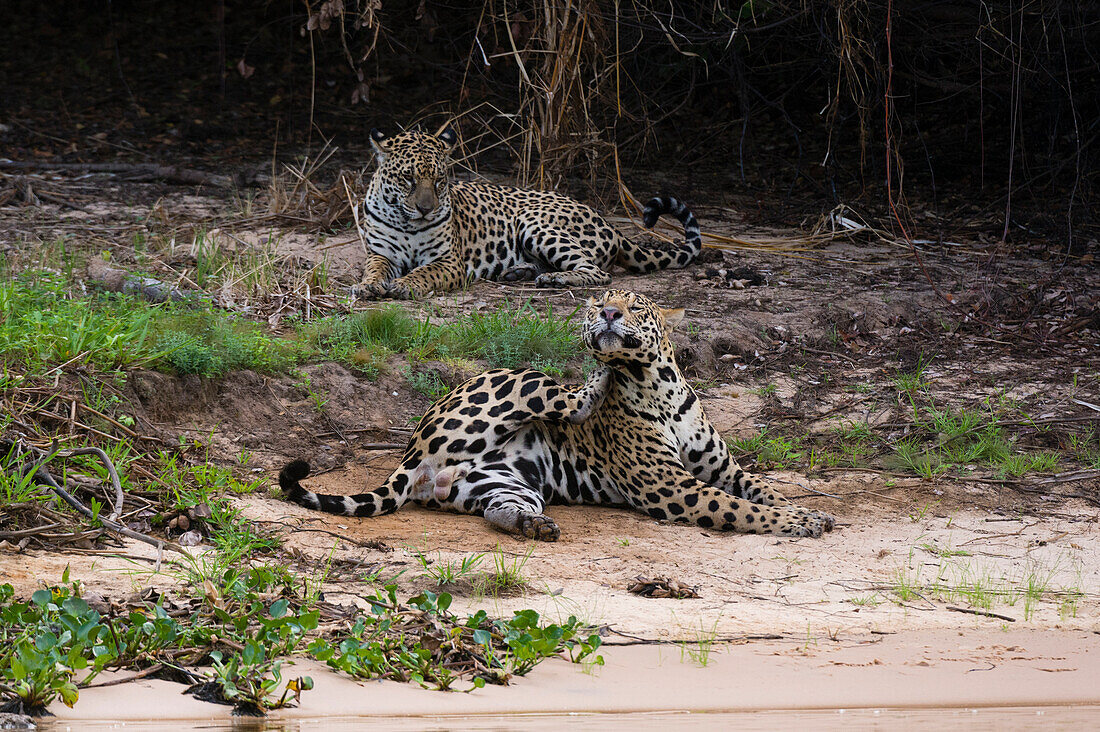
[413, 172]
[627, 327]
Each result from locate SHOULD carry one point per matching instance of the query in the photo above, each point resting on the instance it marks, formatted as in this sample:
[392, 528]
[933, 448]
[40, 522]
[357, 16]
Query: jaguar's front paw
[539, 528]
[369, 290]
[807, 522]
[827, 521]
[400, 290]
[550, 279]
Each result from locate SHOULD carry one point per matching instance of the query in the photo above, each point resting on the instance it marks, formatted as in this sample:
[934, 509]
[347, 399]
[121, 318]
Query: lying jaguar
[506, 443]
[427, 233]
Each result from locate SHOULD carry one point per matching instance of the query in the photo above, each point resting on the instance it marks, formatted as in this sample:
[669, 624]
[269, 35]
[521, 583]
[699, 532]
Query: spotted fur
[428, 233]
[507, 443]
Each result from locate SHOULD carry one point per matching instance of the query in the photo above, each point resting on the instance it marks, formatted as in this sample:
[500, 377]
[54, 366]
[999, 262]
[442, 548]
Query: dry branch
[983, 613]
[114, 279]
[37, 466]
[130, 171]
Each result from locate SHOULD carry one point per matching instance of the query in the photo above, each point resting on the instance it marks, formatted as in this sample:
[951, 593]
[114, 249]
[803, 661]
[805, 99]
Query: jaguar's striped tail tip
[289, 476]
[665, 204]
[653, 210]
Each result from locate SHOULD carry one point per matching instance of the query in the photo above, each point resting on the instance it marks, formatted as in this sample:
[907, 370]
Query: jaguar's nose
[611, 313]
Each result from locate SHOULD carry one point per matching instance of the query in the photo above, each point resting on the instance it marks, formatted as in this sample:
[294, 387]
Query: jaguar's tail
[637, 257]
[384, 500]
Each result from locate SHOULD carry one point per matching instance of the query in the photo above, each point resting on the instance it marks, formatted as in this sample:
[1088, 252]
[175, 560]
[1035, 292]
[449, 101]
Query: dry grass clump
[297, 195]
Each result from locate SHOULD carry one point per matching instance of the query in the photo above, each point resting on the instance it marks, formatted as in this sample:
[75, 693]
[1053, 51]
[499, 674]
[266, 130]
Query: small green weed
[872, 600]
[507, 575]
[906, 586]
[448, 572]
[1086, 448]
[747, 445]
[250, 680]
[913, 458]
[911, 382]
[427, 382]
[778, 452]
[768, 390]
[16, 486]
[699, 651]
[942, 552]
[317, 397]
[1039, 462]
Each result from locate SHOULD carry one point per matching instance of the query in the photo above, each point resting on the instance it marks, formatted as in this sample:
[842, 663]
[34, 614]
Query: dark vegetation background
[934, 115]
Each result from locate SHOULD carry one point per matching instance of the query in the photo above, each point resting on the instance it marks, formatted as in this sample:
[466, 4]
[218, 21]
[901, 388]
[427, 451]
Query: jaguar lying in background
[506, 443]
[428, 233]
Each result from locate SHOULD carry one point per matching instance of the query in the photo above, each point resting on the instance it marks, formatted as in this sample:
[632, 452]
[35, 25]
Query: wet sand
[930, 669]
[991, 719]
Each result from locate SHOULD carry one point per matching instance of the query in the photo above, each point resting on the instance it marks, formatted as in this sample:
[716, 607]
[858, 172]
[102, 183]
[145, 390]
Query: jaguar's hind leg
[507, 503]
[520, 512]
[572, 262]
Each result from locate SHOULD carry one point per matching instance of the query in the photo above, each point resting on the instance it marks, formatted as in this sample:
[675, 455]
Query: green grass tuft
[508, 336]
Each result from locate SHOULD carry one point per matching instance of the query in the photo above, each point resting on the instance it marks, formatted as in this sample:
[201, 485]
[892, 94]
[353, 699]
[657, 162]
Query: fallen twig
[155, 668]
[820, 352]
[116, 483]
[983, 613]
[633, 640]
[132, 171]
[32, 531]
[1069, 477]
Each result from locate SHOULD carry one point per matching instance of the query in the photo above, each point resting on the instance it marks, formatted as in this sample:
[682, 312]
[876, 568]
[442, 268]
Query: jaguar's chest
[408, 245]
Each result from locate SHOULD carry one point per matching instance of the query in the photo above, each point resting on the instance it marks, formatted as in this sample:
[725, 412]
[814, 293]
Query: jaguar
[427, 232]
[507, 443]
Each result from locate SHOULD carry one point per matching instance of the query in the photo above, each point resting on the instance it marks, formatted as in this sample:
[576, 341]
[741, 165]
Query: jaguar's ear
[379, 143]
[591, 301]
[448, 137]
[673, 317]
